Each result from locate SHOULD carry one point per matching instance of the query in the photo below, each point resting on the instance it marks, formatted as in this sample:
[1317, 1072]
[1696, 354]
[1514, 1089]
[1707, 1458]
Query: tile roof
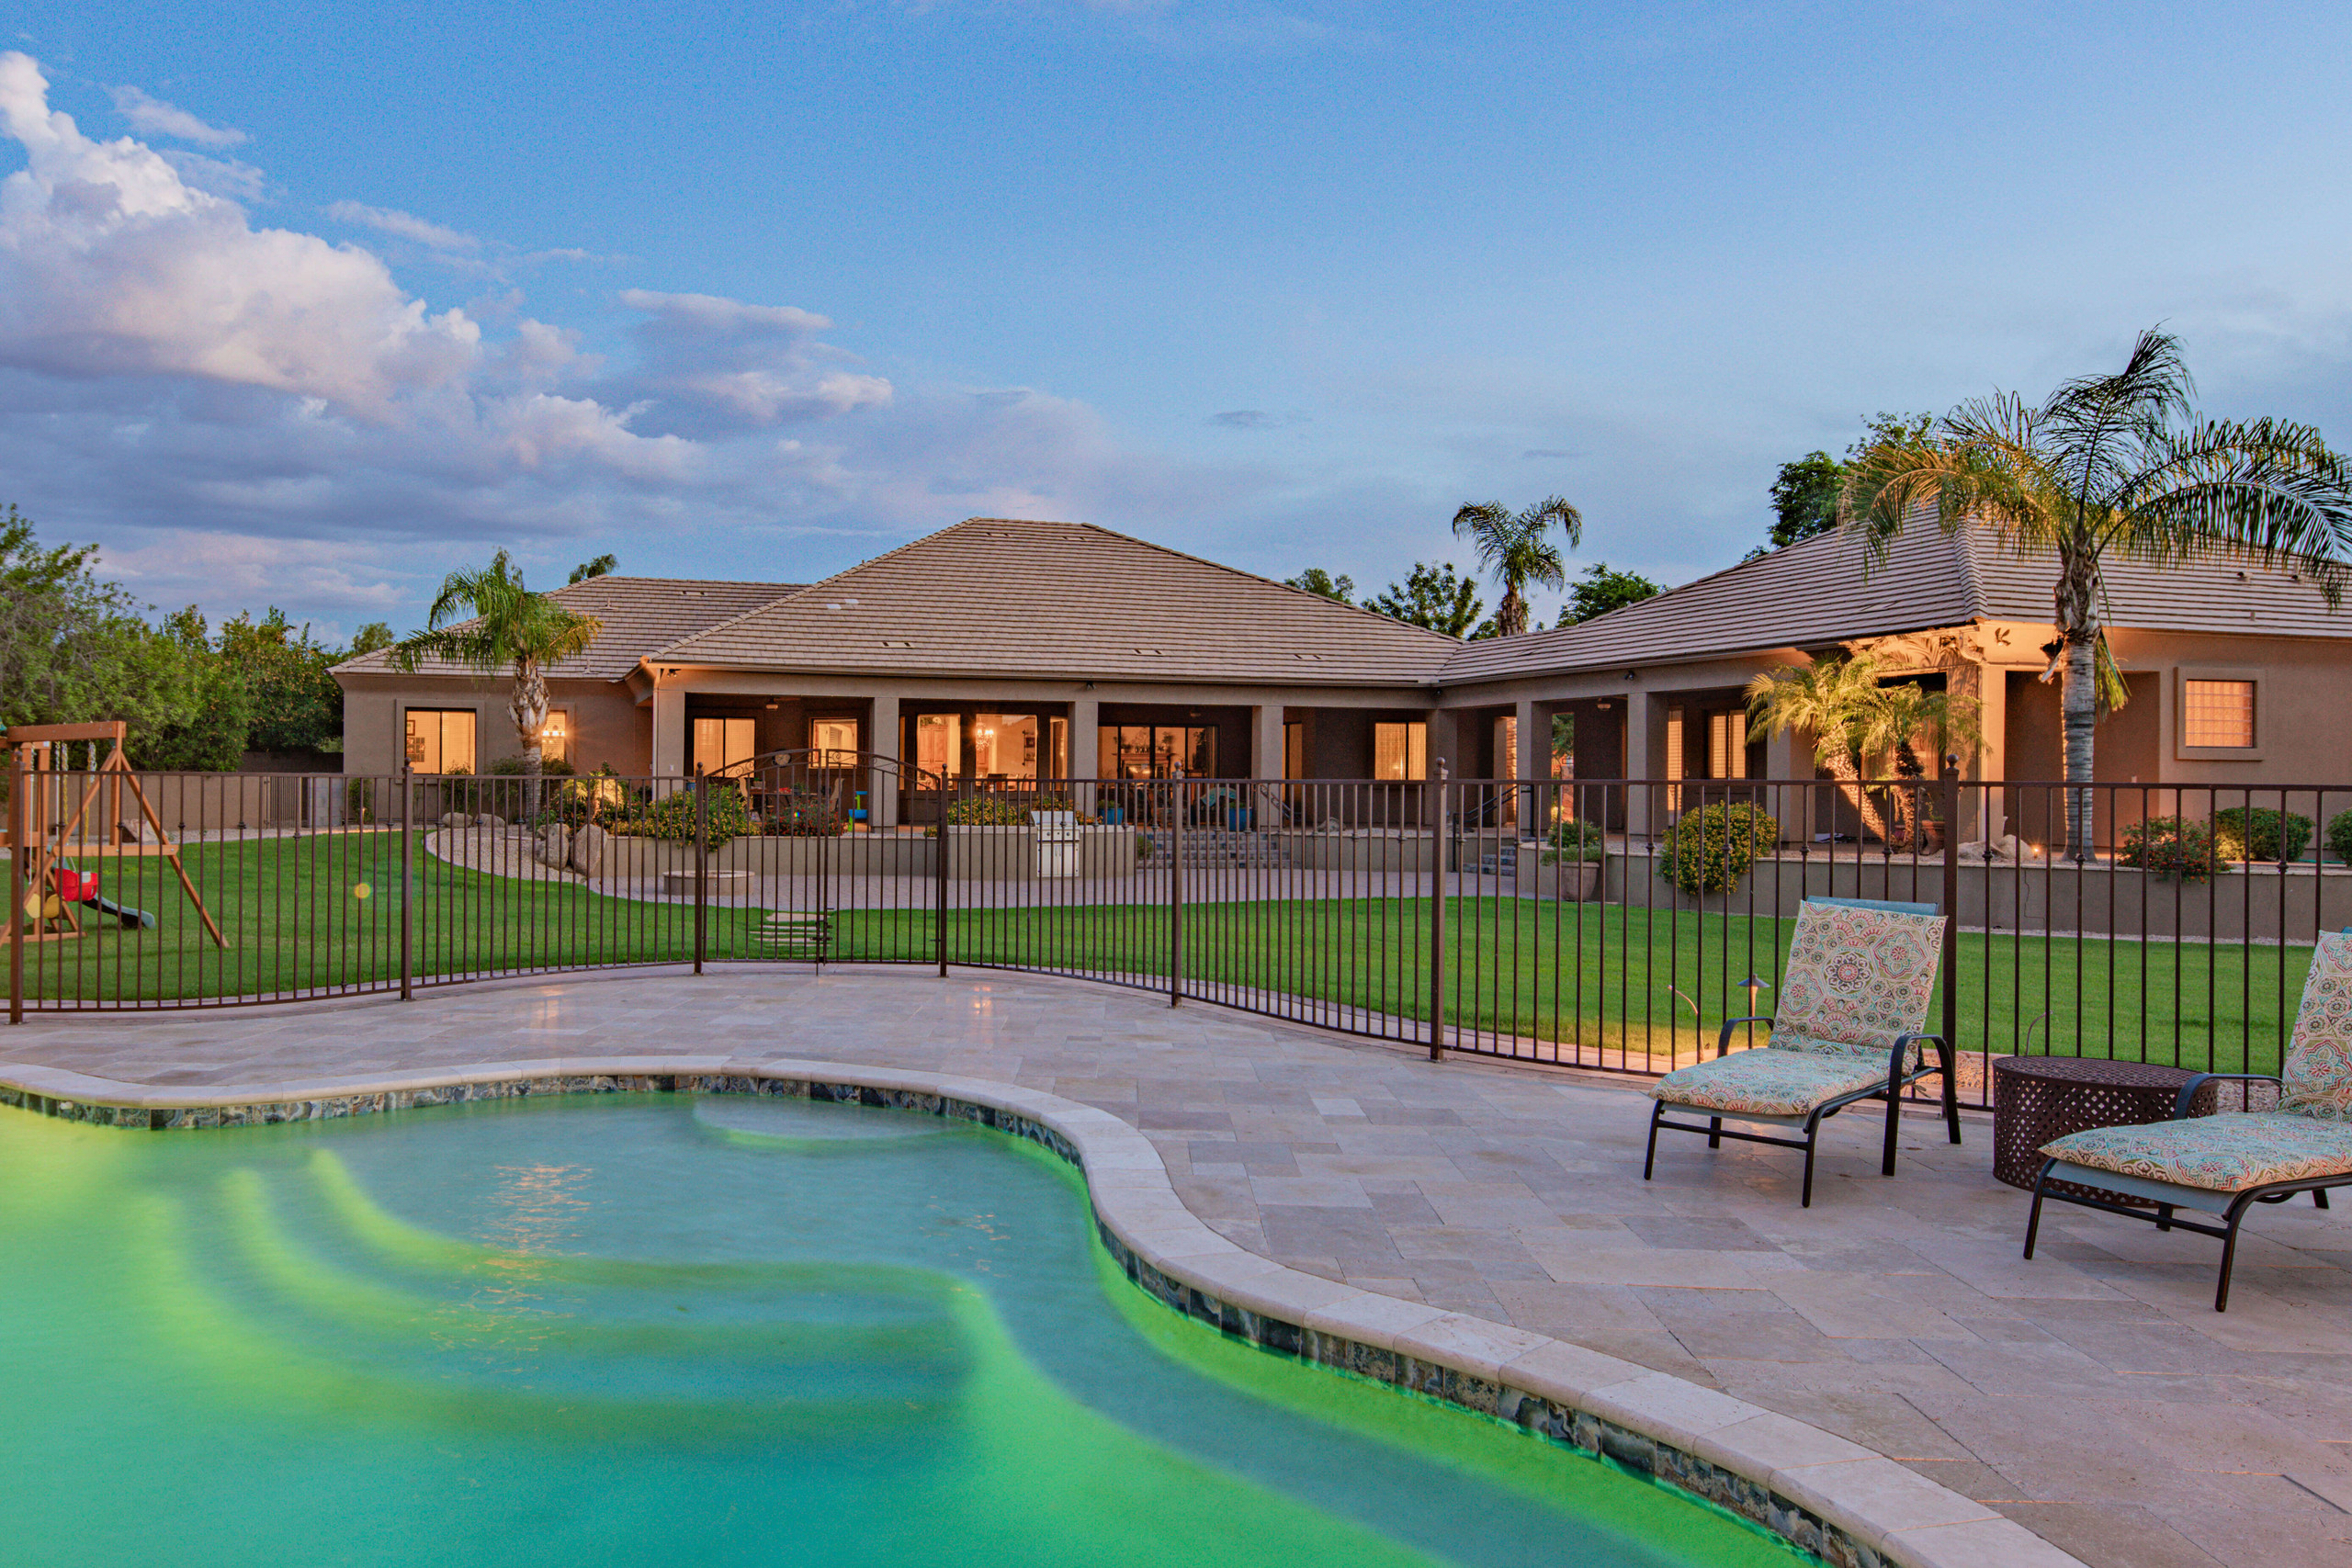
[1818, 593]
[992, 596]
[640, 614]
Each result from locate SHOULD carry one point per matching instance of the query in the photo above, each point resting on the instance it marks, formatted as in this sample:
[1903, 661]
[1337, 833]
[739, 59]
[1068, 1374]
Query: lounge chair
[1851, 1027]
[2212, 1161]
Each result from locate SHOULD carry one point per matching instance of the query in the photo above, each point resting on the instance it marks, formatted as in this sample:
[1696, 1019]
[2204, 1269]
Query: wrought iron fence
[1610, 924]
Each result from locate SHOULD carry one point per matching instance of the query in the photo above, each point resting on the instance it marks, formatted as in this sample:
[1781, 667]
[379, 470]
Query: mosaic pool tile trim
[1581, 1431]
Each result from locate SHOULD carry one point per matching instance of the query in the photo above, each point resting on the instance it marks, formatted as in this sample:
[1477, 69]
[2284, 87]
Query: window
[1293, 750]
[441, 740]
[721, 744]
[1057, 745]
[1726, 744]
[939, 743]
[1400, 751]
[1004, 746]
[1157, 751]
[2218, 713]
[555, 738]
[1507, 747]
[833, 742]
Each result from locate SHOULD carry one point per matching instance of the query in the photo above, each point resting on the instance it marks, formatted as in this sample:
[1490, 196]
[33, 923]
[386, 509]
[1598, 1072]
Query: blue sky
[310, 309]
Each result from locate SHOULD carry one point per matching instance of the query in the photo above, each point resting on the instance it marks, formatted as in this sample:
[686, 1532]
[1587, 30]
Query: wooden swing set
[52, 838]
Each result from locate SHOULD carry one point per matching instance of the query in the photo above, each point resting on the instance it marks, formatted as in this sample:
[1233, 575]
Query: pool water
[665, 1329]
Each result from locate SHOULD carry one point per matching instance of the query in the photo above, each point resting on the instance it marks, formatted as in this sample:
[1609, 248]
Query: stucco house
[1032, 651]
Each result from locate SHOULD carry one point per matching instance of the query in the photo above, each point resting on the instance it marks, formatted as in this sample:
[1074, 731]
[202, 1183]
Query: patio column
[1643, 720]
[1533, 761]
[882, 783]
[1789, 755]
[1984, 814]
[669, 732]
[1085, 756]
[1266, 760]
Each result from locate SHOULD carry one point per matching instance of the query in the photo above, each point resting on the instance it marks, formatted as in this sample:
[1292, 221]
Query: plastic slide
[130, 918]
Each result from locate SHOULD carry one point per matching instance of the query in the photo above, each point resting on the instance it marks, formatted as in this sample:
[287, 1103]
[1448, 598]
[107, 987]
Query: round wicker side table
[2036, 1098]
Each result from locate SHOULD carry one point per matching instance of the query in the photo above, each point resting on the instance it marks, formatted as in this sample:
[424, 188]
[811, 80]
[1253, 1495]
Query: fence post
[1950, 1022]
[19, 783]
[1176, 889]
[939, 863]
[702, 863]
[1438, 846]
[408, 885]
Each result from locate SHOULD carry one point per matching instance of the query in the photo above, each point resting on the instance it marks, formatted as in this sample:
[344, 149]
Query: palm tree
[506, 628]
[1518, 549]
[1899, 723]
[2111, 467]
[1832, 700]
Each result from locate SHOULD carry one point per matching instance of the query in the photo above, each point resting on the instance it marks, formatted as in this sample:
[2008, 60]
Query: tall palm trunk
[2078, 700]
[1849, 784]
[528, 708]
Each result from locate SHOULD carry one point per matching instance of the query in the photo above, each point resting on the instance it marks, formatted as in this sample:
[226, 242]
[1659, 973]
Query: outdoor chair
[2223, 1163]
[1851, 1027]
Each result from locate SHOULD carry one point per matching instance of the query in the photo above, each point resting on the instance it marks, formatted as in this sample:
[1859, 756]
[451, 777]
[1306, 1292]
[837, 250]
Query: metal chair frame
[1898, 1081]
[2169, 1197]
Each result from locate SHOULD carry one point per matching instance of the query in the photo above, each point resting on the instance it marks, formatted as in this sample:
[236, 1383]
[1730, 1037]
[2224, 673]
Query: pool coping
[1847, 1504]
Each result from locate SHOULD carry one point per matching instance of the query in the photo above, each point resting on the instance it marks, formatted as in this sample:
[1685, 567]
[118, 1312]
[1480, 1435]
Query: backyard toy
[48, 838]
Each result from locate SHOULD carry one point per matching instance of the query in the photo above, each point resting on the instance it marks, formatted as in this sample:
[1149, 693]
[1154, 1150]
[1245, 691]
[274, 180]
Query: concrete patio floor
[2092, 1394]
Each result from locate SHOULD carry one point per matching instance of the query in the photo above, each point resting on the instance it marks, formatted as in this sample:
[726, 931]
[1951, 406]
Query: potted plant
[1573, 854]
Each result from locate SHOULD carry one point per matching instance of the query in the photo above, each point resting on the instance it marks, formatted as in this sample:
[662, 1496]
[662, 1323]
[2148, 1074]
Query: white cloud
[153, 117]
[111, 264]
[710, 362]
[244, 415]
[402, 226]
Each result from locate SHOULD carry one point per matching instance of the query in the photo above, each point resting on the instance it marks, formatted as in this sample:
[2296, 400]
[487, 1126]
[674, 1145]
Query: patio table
[2038, 1098]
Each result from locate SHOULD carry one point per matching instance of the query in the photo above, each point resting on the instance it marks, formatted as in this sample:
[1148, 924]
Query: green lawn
[1607, 976]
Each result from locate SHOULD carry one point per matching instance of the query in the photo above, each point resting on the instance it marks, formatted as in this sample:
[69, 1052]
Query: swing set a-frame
[45, 839]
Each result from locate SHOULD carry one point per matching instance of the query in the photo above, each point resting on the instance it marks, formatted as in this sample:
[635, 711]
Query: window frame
[407, 718]
[2178, 713]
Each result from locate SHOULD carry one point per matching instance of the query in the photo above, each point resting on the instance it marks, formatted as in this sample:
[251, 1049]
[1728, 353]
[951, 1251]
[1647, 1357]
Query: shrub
[671, 817]
[1712, 848]
[1574, 839]
[2170, 846]
[510, 766]
[2254, 834]
[1006, 810]
[2339, 836]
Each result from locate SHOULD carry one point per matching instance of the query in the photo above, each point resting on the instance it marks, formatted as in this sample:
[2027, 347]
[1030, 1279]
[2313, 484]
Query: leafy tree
[1805, 493]
[369, 639]
[1315, 579]
[507, 629]
[1804, 498]
[1601, 589]
[210, 735]
[601, 566]
[2112, 466]
[1517, 547]
[1432, 596]
[74, 649]
[296, 704]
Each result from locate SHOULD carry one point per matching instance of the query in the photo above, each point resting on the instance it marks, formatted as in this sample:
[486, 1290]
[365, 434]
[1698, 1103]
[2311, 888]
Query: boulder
[587, 852]
[490, 819]
[456, 820]
[555, 846]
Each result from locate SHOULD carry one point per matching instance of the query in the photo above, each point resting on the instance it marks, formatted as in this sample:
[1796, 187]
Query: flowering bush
[1712, 848]
[2170, 846]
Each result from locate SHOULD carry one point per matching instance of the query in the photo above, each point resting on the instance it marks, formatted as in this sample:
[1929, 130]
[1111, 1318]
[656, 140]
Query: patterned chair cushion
[1768, 1083]
[2220, 1154]
[2318, 1072]
[1857, 980]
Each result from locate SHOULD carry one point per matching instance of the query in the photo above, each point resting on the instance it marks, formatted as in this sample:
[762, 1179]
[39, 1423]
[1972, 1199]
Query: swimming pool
[668, 1328]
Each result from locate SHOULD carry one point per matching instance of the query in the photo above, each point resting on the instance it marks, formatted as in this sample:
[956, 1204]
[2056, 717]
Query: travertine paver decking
[2092, 1394]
